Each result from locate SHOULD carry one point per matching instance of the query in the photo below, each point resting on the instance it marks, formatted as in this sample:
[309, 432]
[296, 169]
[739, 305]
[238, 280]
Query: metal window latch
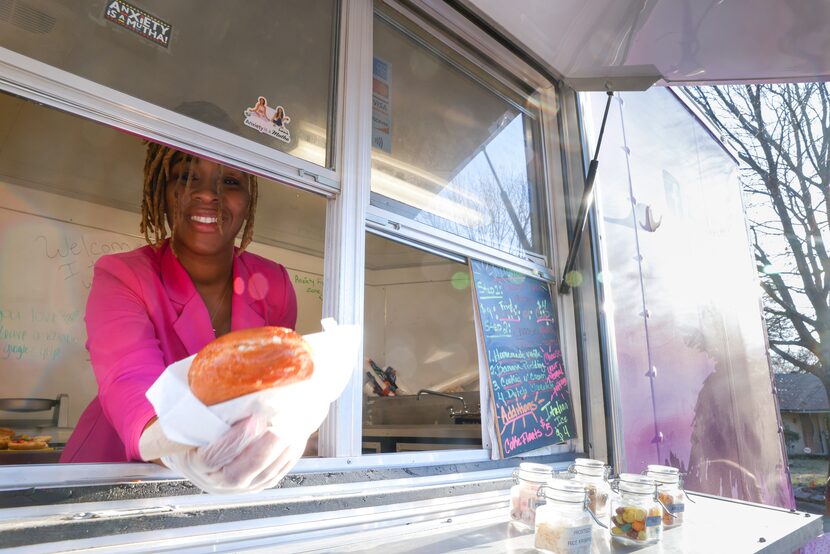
[319, 179]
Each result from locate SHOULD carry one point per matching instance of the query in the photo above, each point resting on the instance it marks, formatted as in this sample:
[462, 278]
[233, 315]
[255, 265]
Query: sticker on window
[138, 21]
[268, 120]
[381, 106]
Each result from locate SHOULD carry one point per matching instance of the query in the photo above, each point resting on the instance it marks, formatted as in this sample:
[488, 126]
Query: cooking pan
[27, 404]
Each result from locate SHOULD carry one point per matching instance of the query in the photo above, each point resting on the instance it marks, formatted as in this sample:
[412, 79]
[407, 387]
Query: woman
[261, 108]
[280, 119]
[163, 302]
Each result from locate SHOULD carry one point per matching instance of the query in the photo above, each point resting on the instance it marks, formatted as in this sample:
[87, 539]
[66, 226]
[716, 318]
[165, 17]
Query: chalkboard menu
[531, 397]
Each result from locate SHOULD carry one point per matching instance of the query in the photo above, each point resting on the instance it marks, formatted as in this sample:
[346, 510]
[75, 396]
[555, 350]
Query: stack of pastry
[6, 435]
[11, 441]
[25, 442]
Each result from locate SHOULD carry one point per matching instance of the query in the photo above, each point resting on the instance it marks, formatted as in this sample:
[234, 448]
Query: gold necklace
[217, 308]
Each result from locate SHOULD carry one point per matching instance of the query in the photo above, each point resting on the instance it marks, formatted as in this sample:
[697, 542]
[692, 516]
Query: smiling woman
[188, 181]
[163, 302]
[204, 204]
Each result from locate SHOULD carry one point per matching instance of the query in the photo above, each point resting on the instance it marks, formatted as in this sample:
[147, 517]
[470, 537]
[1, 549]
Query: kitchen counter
[403, 438]
[430, 431]
[712, 524]
[17, 457]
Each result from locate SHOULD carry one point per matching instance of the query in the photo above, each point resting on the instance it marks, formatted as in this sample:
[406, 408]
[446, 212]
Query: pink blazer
[143, 313]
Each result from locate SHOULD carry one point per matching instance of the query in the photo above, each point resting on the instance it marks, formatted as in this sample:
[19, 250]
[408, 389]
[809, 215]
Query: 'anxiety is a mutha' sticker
[268, 120]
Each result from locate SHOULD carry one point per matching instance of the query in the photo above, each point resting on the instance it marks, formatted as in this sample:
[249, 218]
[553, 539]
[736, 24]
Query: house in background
[804, 412]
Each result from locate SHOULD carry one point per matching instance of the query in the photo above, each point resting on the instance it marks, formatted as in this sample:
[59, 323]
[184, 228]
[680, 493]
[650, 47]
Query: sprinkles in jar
[563, 524]
[670, 492]
[528, 478]
[593, 475]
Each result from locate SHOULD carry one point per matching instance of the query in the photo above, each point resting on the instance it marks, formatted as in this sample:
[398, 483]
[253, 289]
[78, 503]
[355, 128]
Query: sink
[466, 419]
[428, 410]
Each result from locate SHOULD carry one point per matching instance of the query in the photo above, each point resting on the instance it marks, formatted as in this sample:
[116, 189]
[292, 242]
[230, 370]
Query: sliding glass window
[262, 70]
[454, 147]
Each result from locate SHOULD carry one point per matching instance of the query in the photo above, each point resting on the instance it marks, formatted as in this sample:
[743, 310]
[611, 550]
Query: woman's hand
[248, 458]
[153, 443]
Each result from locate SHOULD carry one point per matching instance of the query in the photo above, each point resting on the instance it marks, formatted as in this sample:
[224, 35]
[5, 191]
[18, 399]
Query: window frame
[33, 80]
[458, 38]
[558, 136]
[348, 213]
[29, 78]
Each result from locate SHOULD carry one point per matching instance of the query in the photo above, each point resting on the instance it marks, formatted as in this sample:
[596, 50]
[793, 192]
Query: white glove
[248, 458]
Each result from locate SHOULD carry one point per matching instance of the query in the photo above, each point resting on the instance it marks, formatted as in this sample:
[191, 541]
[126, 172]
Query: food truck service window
[453, 147]
[421, 387]
[458, 169]
[71, 193]
[271, 65]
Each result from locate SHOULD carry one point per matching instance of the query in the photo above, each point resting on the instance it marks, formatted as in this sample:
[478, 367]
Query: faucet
[445, 395]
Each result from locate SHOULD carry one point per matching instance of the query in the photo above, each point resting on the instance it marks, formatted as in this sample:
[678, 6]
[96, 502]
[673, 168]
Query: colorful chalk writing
[32, 334]
[528, 383]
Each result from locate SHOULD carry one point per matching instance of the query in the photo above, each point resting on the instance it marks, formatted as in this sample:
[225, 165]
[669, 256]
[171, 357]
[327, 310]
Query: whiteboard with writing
[309, 289]
[46, 266]
[45, 275]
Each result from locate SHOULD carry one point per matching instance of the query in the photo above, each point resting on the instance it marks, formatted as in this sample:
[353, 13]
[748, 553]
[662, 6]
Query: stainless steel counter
[712, 525]
[457, 508]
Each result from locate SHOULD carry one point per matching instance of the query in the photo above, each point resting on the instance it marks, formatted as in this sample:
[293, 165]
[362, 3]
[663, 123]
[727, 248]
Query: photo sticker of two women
[267, 120]
[278, 118]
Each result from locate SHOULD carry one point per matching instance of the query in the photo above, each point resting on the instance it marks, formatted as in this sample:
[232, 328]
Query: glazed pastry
[247, 361]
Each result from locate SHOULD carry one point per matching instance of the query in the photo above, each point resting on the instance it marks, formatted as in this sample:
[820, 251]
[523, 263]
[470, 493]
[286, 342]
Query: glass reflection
[688, 339]
[450, 151]
[226, 53]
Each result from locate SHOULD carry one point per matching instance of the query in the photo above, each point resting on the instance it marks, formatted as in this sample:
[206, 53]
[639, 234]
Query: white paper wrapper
[294, 410]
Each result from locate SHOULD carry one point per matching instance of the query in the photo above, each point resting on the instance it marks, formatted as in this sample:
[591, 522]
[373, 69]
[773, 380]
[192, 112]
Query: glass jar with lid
[563, 524]
[528, 478]
[593, 474]
[636, 516]
[670, 492]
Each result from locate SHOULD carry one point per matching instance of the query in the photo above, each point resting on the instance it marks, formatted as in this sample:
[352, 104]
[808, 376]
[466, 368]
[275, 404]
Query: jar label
[677, 508]
[564, 540]
[651, 521]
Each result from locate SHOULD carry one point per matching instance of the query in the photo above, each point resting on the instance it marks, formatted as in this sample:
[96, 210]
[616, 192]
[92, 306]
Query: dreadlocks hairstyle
[156, 174]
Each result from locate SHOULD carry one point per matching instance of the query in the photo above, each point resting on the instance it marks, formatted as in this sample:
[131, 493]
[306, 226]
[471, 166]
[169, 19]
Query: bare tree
[782, 136]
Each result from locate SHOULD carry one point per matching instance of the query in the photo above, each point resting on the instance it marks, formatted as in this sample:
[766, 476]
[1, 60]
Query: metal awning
[632, 44]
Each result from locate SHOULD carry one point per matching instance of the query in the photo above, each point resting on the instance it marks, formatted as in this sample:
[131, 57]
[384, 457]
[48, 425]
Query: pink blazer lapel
[193, 322]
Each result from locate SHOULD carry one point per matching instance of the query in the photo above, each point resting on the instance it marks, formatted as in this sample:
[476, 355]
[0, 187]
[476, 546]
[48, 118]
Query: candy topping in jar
[528, 478]
[636, 518]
